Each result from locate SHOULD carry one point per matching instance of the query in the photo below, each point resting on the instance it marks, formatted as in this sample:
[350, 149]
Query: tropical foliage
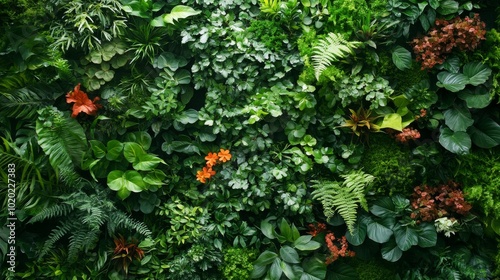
[245, 139]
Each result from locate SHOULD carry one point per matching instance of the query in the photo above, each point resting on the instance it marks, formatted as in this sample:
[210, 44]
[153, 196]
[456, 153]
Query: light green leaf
[401, 58]
[132, 151]
[155, 178]
[130, 180]
[147, 162]
[178, 12]
[456, 142]
[393, 121]
[115, 149]
[304, 243]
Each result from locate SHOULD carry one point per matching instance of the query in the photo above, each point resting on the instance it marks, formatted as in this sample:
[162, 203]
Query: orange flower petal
[224, 155]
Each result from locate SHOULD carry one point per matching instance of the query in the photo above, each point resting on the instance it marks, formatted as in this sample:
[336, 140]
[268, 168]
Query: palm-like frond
[344, 197]
[62, 138]
[332, 48]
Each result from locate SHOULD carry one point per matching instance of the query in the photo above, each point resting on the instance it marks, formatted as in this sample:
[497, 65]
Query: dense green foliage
[249, 139]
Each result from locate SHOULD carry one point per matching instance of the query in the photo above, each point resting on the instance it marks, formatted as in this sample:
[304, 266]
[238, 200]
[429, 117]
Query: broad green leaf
[391, 252]
[401, 58]
[115, 149]
[393, 121]
[456, 142]
[98, 148]
[400, 101]
[258, 271]
[130, 180]
[453, 82]
[458, 118]
[434, 4]
[157, 22]
[495, 225]
[288, 270]
[267, 229]
[452, 64]
[147, 162]
[181, 147]
[378, 232]
[132, 151]
[448, 7]
[295, 233]
[485, 133]
[383, 207]
[342, 271]
[400, 203]
[289, 254]
[188, 116]
[406, 237]
[358, 234]
[275, 270]
[155, 178]
[304, 243]
[140, 137]
[178, 12]
[267, 257]
[427, 235]
[286, 230]
[477, 72]
[478, 99]
[315, 268]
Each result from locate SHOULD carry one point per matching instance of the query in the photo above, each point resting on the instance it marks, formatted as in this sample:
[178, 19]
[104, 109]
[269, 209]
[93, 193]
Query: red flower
[82, 102]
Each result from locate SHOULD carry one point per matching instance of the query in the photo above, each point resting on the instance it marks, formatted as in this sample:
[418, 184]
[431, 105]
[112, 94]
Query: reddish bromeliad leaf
[82, 102]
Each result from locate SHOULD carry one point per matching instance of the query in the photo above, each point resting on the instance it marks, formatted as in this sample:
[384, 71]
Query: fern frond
[24, 103]
[59, 232]
[82, 241]
[343, 198]
[332, 48]
[120, 219]
[57, 210]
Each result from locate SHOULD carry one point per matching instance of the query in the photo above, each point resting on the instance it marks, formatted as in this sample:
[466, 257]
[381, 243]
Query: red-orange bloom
[224, 155]
[204, 174]
[82, 102]
[211, 159]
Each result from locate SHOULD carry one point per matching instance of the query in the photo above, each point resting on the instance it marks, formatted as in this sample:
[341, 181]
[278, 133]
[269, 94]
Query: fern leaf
[56, 234]
[332, 48]
[57, 210]
[121, 219]
[62, 138]
[343, 198]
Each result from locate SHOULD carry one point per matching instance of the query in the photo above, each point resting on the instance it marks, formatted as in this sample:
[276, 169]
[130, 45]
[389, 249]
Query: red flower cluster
[407, 134]
[431, 203]
[315, 229]
[212, 159]
[82, 102]
[335, 252]
[447, 35]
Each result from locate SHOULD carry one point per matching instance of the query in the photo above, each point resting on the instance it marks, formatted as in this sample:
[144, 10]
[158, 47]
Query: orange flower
[82, 102]
[204, 174]
[211, 159]
[224, 155]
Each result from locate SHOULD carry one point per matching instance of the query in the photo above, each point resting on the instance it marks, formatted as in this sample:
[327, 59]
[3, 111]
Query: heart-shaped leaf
[406, 237]
[401, 58]
[391, 252]
[478, 99]
[456, 142]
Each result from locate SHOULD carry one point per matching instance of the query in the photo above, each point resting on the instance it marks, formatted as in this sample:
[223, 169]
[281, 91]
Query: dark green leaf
[477, 72]
[453, 82]
[140, 137]
[452, 64]
[456, 142]
[304, 243]
[155, 178]
[406, 237]
[275, 271]
[98, 148]
[286, 230]
[267, 229]
[478, 99]
[485, 133]
[391, 252]
[448, 7]
[427, 235]
[358, 234]
[383, 207]
[267, 257]
[434, 4]
[342, 271]
[401, 58]
[378, 232]
[315, 267]
[458, 118]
